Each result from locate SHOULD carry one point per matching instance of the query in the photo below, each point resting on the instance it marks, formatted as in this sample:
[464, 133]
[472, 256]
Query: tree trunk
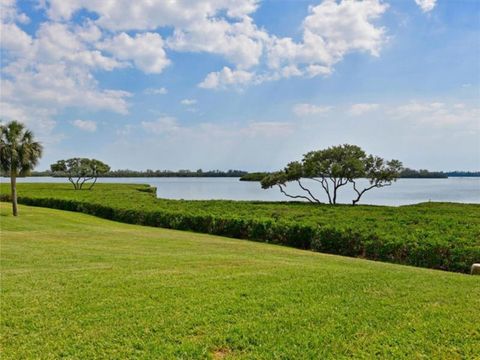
[91, 186]
[13, 185]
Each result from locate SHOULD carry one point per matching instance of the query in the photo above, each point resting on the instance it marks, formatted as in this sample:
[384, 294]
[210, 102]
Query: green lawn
[76, 286]
[435, 235]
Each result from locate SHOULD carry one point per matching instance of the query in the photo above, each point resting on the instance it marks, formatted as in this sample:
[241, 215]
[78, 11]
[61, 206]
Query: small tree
[334, 168]
[19, 154]
[80, 170]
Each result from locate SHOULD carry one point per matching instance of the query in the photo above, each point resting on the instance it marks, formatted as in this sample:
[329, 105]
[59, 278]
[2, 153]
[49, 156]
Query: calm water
[404, 191]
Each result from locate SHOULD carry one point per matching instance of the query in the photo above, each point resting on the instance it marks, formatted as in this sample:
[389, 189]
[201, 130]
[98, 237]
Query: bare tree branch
[308, 191]
[294, 196]
[376, 184]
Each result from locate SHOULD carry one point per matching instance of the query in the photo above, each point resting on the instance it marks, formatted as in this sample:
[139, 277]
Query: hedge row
[345, 240]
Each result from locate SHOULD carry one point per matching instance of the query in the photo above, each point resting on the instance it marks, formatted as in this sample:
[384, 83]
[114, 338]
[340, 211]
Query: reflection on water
[404, 191]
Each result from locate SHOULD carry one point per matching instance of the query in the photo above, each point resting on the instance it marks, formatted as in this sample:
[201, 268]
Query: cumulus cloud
[362, 108]
[56, 42]
[215, 26]
[123, 15]
[310, 109]
[50, 70]
[226, 28]
[59, 86]
[226, 78]
[53, 68]
[330, 31]
[241, 43]
[145, 50]
[14, 40]
[85, 125]
[9, 13]
[426, 5]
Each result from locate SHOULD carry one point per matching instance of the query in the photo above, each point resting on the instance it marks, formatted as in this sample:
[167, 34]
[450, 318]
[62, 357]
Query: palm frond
[18, 150]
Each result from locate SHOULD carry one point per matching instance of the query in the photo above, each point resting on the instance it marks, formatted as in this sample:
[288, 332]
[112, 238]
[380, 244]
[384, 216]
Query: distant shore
[247, 176]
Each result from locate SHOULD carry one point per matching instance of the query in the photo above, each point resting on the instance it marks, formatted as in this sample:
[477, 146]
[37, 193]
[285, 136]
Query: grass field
[436, 235]
[79, 287]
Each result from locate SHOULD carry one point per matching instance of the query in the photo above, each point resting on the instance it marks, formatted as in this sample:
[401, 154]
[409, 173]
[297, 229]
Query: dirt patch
[221, 353]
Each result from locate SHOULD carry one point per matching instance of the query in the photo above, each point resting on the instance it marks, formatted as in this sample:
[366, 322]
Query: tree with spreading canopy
[334, 168]
[80, 170]
[19, 154]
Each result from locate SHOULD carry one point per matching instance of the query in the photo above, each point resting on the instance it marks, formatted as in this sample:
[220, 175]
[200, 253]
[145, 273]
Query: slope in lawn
[77, 286]
[435, 235]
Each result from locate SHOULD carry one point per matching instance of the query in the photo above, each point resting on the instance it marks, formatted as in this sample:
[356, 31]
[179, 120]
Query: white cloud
[226, 28]
[149, 15]
[225, 78]
[216, 26]
[345, 26]
[14, 40]
[145, 50]
[438, 114]
[426, 5]
[56, 42]
[9, 13]
[51, 70]
[163, 125]
[58, 86]
[36, 118]
[330, 31]
[240, 42]
[362, 108]
[188, 102]
[310, 109]
[85, 125]
[159, 91]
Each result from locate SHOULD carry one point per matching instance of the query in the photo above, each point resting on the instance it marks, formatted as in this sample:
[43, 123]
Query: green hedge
[340, 240]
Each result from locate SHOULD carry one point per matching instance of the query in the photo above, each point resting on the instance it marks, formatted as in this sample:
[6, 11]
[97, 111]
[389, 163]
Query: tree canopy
[333, 168]
[80, 170]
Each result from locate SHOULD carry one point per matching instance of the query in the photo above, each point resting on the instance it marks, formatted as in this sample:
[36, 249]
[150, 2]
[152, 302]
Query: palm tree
[19, 154]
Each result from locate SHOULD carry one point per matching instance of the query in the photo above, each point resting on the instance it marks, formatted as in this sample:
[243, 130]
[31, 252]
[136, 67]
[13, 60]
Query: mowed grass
[79, 287]
[435, 235]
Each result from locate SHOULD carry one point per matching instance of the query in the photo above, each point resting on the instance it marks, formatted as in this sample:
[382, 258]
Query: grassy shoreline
[436, 235]
[78, 286]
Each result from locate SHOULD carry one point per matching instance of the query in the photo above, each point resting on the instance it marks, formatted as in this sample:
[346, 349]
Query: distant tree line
[422, 174]
[179, 173]
[463, 173]
[406, 173]
[425, 174]
[154, 173]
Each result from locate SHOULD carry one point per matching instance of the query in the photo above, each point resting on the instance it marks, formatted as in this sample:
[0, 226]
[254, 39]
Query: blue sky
[244, 84]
